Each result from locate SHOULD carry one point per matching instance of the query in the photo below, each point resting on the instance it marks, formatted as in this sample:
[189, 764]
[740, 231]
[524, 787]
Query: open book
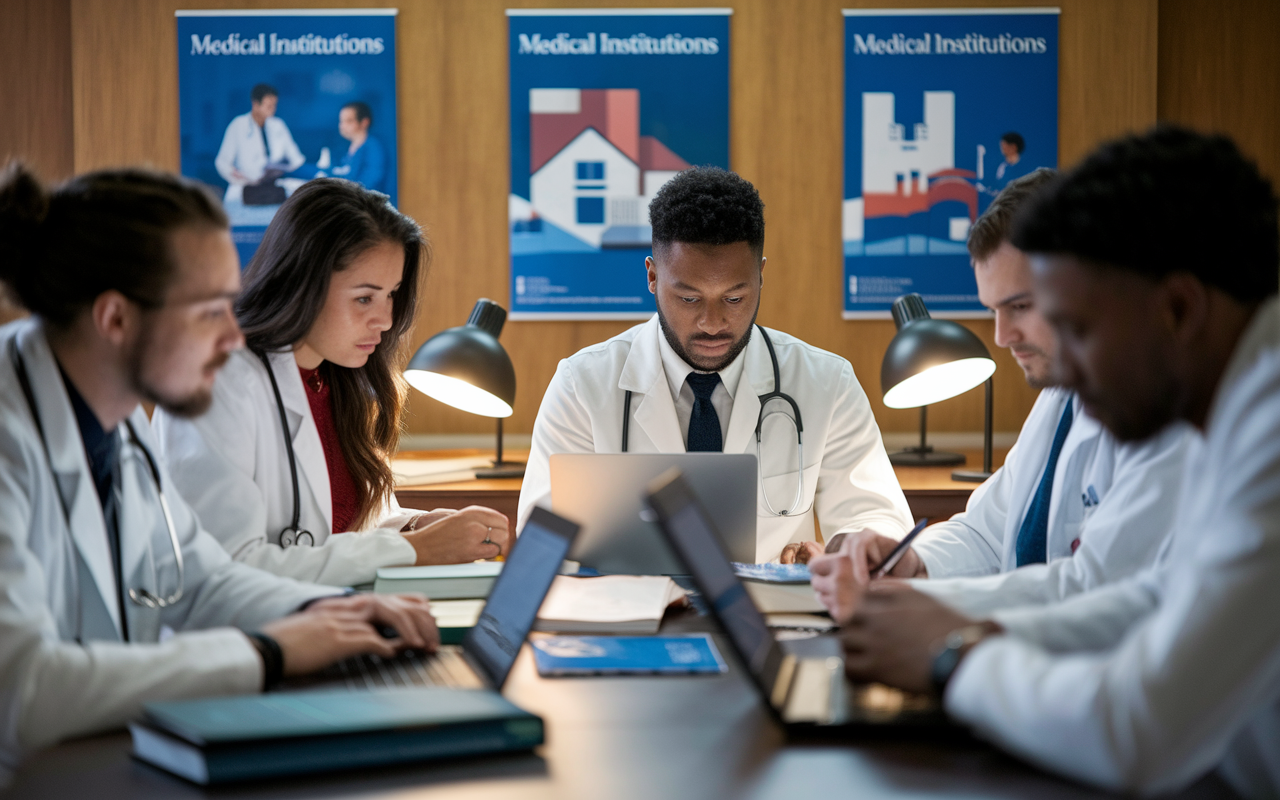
[607, 604]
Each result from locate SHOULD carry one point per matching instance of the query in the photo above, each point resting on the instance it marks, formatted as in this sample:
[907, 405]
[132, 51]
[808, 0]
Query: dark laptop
[804, 685]
[485, 656]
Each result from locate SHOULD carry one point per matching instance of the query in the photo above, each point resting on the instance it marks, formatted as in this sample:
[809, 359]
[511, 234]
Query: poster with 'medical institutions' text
[943, 107]
[606, 107]
[268, 100]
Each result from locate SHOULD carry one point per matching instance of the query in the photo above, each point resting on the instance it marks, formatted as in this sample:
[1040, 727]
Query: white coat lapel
[757, 379]
[313, 471]
[653, 408]
[70, 466]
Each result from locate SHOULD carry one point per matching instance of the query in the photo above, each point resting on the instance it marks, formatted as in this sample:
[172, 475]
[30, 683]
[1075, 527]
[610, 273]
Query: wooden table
[930, 491]
[648, 738]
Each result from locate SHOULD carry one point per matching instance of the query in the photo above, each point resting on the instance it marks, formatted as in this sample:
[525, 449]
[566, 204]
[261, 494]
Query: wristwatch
[953, 648]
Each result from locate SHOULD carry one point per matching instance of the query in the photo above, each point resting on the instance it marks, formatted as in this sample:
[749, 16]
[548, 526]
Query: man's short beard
[192, 405]
[725, 360]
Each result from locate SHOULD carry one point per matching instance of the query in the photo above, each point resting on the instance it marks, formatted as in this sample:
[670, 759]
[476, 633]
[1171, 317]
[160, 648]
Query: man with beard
[1165, 311]
[111, 594]
[690, 379]
[1072, 508]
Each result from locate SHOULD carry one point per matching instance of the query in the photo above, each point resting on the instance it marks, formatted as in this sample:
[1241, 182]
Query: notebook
[607, 604]
[567, 656]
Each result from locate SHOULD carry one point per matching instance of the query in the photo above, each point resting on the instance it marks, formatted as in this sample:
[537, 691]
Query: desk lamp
[465, 367]
[931, 360]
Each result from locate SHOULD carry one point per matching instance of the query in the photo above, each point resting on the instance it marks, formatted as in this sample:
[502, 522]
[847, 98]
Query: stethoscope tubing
[292, 535]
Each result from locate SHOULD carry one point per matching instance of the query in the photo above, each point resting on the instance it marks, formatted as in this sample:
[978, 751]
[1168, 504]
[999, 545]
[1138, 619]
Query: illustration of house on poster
[942, 109]
[593, 174]
[606, 107]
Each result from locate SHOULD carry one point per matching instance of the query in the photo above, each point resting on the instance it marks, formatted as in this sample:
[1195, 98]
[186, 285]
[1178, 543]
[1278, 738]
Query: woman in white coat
[290, 467]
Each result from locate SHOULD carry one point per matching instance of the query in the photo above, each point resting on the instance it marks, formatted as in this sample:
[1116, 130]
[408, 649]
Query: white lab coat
[231, 465]
[1192, 684]
[242, 150]
[58, 585]
[848, 480]
[1111, 510]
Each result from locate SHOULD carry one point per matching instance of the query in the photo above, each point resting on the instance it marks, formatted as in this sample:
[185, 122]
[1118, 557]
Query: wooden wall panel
[786, 84]
[1220, 71]
[35, 67]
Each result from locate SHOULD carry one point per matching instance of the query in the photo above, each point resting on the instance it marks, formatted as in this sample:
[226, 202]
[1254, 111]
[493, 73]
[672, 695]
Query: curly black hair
[1170, 200]
[707, 205]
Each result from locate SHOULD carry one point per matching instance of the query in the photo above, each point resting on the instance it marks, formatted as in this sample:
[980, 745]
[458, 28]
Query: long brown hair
[324, 226]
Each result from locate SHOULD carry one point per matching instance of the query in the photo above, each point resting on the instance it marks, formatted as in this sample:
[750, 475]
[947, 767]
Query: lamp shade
[466, 367]
[930, 359]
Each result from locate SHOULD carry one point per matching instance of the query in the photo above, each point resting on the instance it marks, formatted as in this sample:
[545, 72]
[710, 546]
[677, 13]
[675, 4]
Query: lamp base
[972, 476]
[502, 469]
[925, 457]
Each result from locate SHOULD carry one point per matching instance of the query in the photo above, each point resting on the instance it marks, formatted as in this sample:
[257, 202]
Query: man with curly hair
[690, 379]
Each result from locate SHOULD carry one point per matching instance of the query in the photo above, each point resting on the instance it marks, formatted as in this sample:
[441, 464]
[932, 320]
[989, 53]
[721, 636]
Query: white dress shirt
[1192, 683]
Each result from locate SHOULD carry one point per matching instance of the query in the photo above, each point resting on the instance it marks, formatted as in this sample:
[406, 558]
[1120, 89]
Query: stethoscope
[141, 597]
[292, 535]
[765, 399]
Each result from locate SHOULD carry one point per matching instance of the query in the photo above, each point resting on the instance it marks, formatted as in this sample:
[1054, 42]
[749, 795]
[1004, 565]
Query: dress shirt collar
[677, 369]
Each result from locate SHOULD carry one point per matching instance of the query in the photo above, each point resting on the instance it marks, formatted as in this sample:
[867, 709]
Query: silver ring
[487, 540]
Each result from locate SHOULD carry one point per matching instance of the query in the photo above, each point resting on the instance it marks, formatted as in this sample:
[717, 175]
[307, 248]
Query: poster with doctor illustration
[606, 107]
[943, 108]
[268, 100]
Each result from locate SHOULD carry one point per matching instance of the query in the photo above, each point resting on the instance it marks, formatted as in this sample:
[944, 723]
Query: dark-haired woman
[327, 303]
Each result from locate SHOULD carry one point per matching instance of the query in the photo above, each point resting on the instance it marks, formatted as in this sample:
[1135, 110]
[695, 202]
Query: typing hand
[800, 552]
[340, 627]
[460, 537]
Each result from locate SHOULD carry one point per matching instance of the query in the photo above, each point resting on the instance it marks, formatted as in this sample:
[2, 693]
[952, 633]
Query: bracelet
[272, 659]
[408, 526]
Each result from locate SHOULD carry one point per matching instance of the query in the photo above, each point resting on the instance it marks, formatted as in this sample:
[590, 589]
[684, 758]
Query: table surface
[657, 738]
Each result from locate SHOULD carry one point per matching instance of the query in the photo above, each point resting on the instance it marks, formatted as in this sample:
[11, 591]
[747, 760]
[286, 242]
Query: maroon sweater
[342, 487]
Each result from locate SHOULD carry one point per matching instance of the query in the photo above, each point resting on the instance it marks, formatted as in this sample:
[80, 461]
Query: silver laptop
[605, 493]
[485, 656]
[802, 683]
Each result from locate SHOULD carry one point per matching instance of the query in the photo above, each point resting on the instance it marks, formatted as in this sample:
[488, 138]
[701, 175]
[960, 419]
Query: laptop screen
[692, 535]
[508, 615]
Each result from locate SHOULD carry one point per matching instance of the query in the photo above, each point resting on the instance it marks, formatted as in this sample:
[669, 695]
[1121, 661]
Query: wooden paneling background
[786, 137]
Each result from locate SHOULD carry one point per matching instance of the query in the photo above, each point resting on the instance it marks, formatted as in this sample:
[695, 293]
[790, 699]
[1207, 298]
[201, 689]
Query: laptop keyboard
[445, 667]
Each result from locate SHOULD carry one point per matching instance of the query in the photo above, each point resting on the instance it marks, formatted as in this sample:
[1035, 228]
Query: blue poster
[606, 107]
[270, 99]
[942, 108]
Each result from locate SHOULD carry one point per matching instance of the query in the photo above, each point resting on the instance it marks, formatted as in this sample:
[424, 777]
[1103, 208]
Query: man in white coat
[1073, 507]
[1165, 310]
[109, 595]
[690, 379]
[253, 141]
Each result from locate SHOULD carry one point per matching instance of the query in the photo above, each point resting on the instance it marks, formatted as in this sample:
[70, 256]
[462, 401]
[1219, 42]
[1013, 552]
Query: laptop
[605, 492]
[486, 655]
[803, 685]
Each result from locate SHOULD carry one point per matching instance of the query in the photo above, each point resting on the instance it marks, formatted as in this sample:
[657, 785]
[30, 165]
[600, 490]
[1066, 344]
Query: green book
[219, 740]
[440, 581]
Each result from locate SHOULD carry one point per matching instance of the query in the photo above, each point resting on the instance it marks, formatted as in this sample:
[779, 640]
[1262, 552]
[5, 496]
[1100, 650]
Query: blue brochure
[558, 656]
[772, 573]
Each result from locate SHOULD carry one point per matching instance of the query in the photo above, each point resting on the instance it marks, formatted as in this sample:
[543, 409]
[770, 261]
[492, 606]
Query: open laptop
[804, 685]
[485, 656]
[605, 492]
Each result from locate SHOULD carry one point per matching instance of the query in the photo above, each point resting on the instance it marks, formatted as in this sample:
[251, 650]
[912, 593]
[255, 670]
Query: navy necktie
[1034, 534]
[704, 424]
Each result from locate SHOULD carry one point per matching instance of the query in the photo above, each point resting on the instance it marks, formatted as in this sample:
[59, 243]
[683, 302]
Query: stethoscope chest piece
[289, 537]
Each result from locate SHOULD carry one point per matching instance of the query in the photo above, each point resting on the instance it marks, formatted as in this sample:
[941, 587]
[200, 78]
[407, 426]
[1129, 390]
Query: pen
[898, 552]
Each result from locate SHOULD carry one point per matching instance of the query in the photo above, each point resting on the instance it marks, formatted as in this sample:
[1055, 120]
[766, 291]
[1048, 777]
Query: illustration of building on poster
[943, 108]
[606, 107]
[269, 100]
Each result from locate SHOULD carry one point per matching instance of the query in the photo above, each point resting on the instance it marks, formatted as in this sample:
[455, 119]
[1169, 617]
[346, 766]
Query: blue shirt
[366, 166]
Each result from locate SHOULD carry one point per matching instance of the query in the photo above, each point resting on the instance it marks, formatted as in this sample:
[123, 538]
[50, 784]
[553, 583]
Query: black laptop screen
[693, 537]
[494, 642]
